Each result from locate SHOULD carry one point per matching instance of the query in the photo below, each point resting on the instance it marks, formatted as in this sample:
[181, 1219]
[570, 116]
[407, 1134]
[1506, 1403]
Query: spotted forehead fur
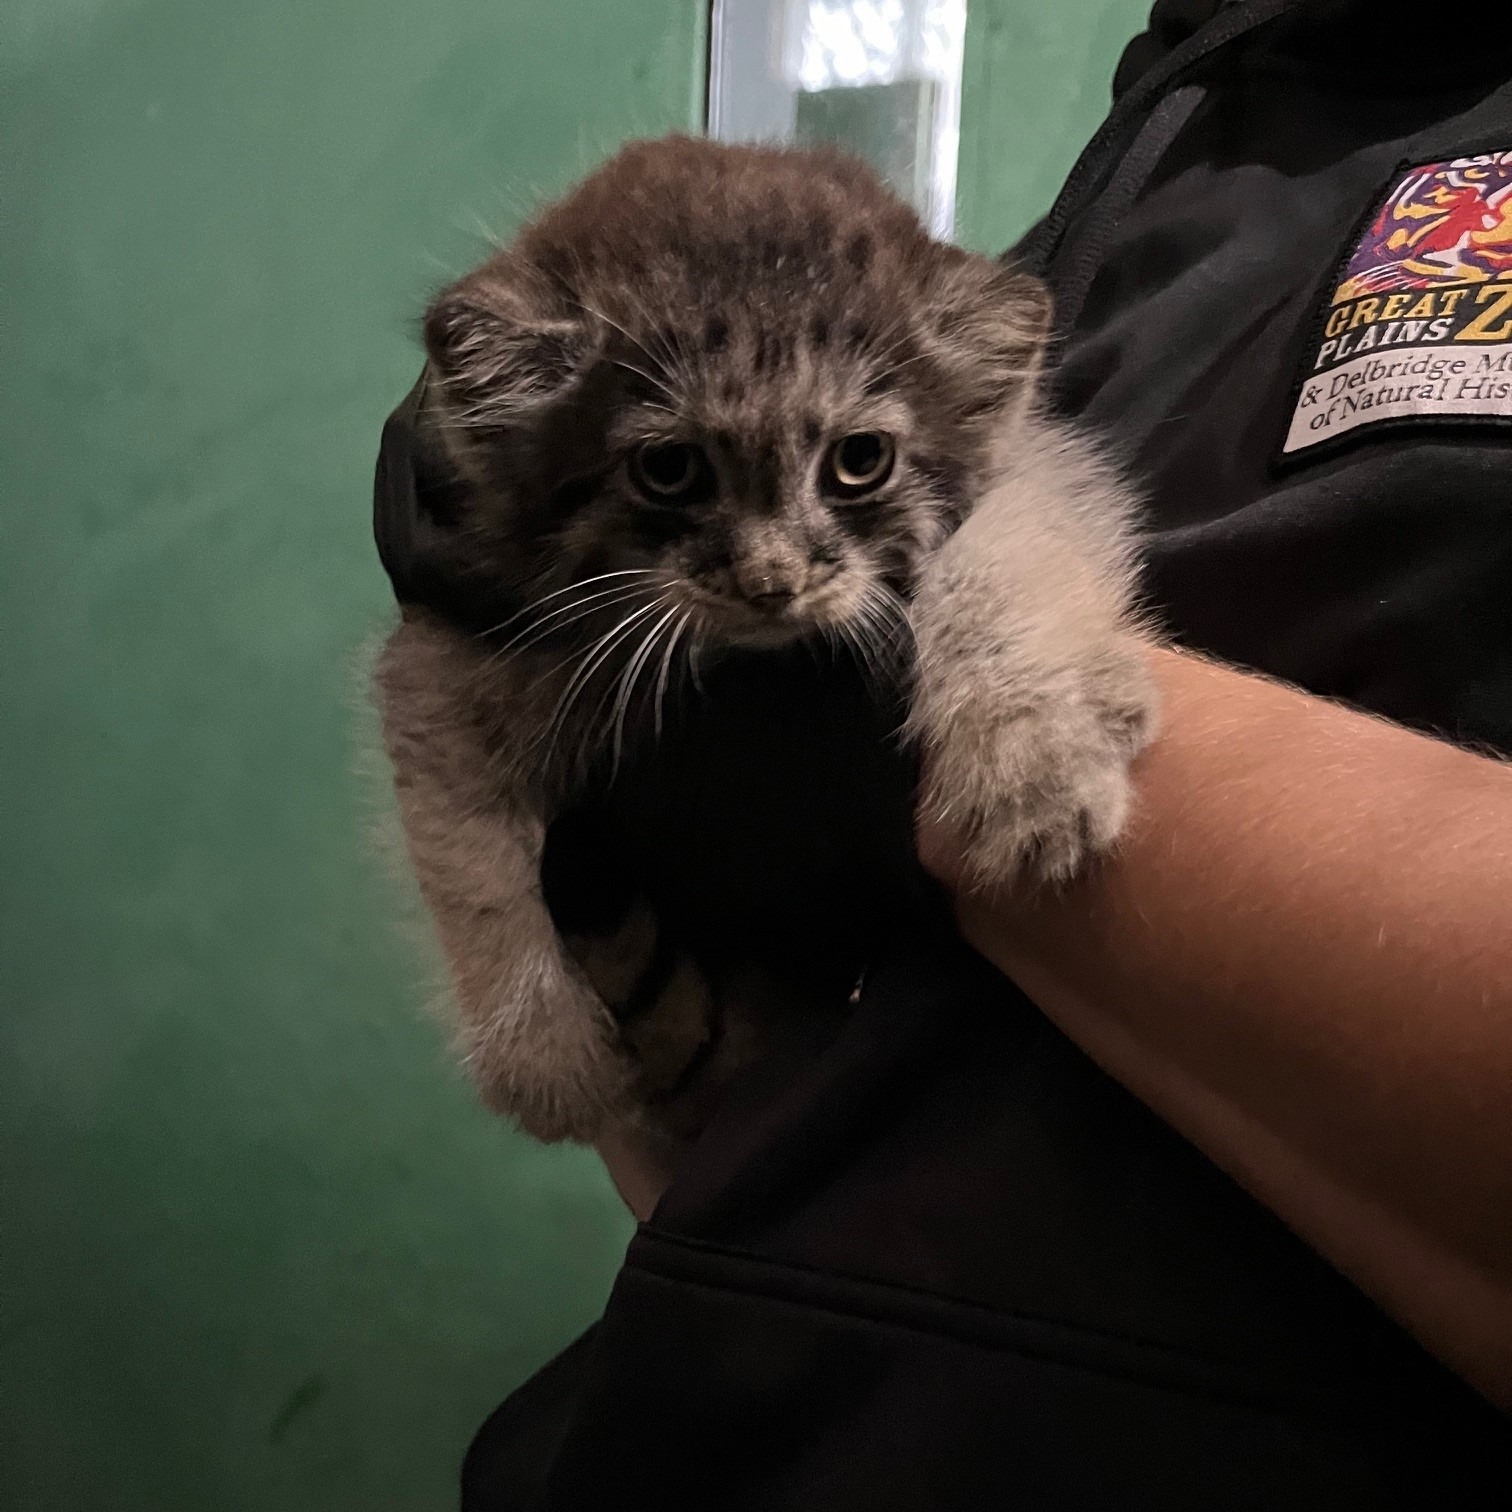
[751, 259]
[721, 276]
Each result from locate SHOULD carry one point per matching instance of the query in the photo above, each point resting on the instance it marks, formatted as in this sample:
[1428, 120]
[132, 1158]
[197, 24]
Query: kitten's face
[772, 485]
[733, 391]
[768, 531]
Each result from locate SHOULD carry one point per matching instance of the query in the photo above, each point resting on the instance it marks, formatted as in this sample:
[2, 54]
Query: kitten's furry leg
[1032, 695]
[536, 1038]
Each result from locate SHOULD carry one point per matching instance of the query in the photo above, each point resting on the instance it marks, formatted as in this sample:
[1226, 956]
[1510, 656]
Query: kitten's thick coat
[701, 693]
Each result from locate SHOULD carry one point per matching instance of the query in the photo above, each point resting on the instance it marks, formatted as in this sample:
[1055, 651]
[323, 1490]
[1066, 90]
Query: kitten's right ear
[994, 321]
[499, 362]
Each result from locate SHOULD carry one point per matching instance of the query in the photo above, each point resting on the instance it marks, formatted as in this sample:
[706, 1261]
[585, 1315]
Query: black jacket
[936, 1259]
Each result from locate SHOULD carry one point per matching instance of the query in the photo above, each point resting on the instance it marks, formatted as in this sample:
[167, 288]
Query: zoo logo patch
[1420, 324]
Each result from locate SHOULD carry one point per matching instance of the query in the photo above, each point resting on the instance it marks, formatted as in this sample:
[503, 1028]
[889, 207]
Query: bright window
[879, 77]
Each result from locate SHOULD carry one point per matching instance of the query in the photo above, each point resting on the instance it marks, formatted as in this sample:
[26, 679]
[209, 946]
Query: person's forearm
[1301, 957]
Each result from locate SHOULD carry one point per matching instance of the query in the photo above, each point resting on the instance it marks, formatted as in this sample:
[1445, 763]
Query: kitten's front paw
[1035, 791]
[553, 1062]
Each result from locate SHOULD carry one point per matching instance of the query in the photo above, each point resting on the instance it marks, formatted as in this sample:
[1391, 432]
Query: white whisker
[888, 613]
[570, 613]
[652, 379]
[628, 680]
[581, 583]
[666, 667]
[590, 662]
[633, 340]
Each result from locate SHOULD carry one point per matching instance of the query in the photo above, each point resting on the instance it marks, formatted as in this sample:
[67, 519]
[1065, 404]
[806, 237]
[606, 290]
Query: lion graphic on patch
[1443, 223]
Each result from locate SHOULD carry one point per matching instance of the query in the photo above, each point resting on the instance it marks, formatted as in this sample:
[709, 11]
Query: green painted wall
[1037, 83]
[258, 1249]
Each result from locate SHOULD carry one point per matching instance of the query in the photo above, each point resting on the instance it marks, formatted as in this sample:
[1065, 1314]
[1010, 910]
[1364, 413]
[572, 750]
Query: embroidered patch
[1420, 323]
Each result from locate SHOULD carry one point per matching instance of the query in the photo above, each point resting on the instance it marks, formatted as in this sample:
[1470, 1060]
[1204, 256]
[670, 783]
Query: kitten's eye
[858, 463]
[669, 472]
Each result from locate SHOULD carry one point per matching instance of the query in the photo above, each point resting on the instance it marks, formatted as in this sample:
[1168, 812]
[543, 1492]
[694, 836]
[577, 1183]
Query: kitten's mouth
[760, 624]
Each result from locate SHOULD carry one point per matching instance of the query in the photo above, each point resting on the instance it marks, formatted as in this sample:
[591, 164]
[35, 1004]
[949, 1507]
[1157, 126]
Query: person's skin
[1301, 957]
[639, 1176]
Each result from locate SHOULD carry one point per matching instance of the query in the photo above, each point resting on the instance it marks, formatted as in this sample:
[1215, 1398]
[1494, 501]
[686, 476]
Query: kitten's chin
[739, 626]
[743, 628]
[770, 634]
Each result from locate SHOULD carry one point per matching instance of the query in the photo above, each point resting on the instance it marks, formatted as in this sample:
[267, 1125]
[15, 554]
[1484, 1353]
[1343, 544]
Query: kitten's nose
[777, 596]
[765, 586]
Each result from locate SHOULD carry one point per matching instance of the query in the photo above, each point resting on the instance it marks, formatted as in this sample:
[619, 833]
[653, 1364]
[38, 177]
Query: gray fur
[762, 303]
[1032, 693]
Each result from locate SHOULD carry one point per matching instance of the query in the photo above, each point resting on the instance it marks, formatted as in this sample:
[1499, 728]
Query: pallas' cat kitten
[751, 473]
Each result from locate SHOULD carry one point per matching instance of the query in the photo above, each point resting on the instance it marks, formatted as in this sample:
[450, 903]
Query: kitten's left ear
[995, 321]
[499, 360]
[493, 364]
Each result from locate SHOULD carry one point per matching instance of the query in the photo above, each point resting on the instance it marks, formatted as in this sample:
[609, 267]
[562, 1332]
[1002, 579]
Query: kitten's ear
[1018, 324]
[499, 362]
[995, 319]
